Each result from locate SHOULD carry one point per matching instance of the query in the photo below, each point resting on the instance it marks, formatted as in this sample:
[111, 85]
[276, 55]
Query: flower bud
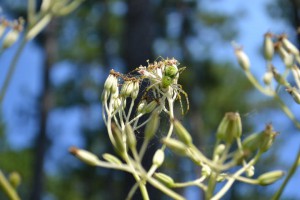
[141, 106]
[270, 177]
[10, 38]
[118, 139]
[152, 126]
[230, 127]
[114, 87]
[166, 81]
[284, 55]
[267, 138]
[242, 58]
[117, 103]
[288, 45]
[165, 179]
[150, 107]
[279, 79]
[268, 77]
[158, 157]
[123, 92]
[183, 135]
[175, 145]
[85, 156]
[220, 149]
[130, 136]
[268, 46]
[112, 159]
[14, 179]
[135, 91]
[109, 82]
[295, 93]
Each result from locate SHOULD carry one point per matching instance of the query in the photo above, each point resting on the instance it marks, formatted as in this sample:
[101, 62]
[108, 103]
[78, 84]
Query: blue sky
[253, 23]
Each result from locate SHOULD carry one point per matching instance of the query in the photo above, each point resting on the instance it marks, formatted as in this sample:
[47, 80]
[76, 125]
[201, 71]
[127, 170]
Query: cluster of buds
[290, 56]
[10, 32]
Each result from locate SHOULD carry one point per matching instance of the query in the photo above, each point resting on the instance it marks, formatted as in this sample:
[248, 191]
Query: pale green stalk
[7, 188]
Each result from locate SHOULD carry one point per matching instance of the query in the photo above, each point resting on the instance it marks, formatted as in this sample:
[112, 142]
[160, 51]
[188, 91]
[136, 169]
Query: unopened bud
[242, 58]
[158, 157]
[220, 149]
[10, 38]
[112, 159]
[135, 91]
[267, 138]
[85, 156]
[286, 57]
[183, 135]
[279, 79]
[268, 46]
[152, 126]
[288, 45]
[230, 127]
[118, 139]
[150, 107]
[165, 179]
[268, 77]
[270, 177]
[141, 106]
[130, 136]
[295, 93]
[175, 145]
[14, 179]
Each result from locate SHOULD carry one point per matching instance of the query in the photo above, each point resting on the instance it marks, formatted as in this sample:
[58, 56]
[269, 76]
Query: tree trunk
[42, 140]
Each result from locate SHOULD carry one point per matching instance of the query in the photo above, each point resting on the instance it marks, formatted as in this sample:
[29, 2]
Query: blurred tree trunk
[42, 140]
[138, 40]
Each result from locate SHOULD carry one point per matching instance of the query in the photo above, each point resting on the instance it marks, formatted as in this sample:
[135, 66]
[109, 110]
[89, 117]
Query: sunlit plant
[233, 158]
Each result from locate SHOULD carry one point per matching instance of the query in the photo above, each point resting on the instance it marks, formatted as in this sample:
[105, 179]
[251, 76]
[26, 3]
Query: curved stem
[7, 188]
[11, 70]
[291, 172]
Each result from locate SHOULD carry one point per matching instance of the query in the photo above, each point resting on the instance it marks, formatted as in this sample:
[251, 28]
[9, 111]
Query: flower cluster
[123, 120]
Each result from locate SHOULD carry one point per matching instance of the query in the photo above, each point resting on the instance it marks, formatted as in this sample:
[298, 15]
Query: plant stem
[291, 172]
[7, 188]
[11, 70]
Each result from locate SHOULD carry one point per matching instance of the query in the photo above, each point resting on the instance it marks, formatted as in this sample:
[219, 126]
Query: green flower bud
[141, 106]
[230, 127]
[135, 91]
[267, 138]
[165, 179]
[158, 157]
[183, 135]
[152, 126]
[109, 82]
[279, 79]
[284, 55]
[118, 139]
[130, 136]
[295, 93]
[176, 146]
[14, 179]
[270, 177]
[242, 58]
[268, 77]
[150, 107]
[112, 159]
[268, 46]
[85, 156]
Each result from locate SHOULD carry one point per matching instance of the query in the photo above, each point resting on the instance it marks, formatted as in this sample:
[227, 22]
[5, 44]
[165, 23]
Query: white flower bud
[288, 45]
[250, 171]
[141, 106]
[10, 38]
[270, 177]
[158, 157]
[243, 59]
[112, 159]
[109, 82]
[268, 77]
[206, 170]
[268, 46]
[84, 156]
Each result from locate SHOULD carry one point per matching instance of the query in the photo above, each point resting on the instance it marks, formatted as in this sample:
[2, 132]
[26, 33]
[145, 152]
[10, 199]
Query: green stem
[291, 172]
[287, 111]
[11, 70]
[7, 188]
